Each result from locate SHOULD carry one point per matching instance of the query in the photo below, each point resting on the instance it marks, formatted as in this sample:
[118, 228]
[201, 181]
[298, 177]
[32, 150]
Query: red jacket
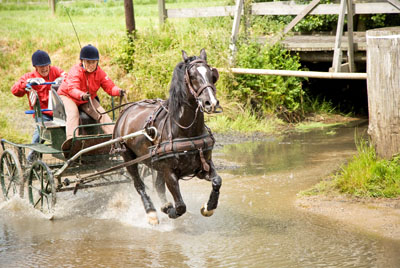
[18, 89]
[78, 82]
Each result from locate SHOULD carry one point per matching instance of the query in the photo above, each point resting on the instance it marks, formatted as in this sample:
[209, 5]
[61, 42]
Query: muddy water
[256, 224]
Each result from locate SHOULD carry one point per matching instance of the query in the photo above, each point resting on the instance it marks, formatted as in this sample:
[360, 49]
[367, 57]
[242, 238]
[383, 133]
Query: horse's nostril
[207, 103]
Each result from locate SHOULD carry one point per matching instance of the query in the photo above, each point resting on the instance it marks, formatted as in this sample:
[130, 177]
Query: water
[255, 225]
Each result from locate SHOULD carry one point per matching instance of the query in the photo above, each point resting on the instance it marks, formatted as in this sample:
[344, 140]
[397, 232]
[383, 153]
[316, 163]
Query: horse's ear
[184, 55]
[203, 54]
[215, 75]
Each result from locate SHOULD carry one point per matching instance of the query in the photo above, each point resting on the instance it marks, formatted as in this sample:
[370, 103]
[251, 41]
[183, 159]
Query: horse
[183, 143]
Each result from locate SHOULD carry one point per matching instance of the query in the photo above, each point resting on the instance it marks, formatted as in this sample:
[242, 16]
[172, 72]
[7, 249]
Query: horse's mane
[178, 91]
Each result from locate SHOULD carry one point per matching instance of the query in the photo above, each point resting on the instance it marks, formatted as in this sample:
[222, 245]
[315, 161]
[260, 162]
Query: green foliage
[368, 176]
[264, 92]
[150, 56]
[319, 106]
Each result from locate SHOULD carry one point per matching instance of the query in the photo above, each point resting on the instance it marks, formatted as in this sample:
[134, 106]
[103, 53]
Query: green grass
[364, 176]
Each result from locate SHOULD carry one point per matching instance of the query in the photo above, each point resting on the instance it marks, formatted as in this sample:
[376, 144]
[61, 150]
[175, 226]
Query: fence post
[53, 6]
[383, 80]
[235, 28]
[129, 16]
[162, 12]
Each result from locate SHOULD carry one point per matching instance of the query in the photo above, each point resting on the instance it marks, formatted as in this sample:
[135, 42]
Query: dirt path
[377, 216]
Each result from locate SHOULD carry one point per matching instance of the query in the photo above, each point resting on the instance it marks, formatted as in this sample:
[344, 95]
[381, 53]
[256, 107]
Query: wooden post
[129, 16]
[235, 28]
[383, 80]
[162, 12]
[53, 6]
[350, 40]
[337, 52]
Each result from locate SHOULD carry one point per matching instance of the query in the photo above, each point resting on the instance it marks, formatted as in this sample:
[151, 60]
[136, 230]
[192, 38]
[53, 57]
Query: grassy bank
[365, 175]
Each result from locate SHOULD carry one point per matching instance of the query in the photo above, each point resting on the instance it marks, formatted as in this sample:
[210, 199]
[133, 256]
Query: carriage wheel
[41, 187]
[11, 176]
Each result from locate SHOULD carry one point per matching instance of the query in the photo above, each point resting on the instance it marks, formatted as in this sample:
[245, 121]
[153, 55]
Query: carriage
[57, 159]
[154, 133]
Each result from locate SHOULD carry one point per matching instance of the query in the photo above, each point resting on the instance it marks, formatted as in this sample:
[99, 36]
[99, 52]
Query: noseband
[197, 93]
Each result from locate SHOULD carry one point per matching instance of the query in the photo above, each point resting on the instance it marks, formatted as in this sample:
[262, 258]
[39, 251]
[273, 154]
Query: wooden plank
[320, 42]
[350, 41]
[290, 8]
[220, 11]
[282, 8]
[311, 74]
[301, 15]
[337, 52]
[395, 3]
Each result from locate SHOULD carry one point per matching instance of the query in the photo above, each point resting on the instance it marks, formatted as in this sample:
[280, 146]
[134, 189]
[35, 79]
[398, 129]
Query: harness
[173, 147]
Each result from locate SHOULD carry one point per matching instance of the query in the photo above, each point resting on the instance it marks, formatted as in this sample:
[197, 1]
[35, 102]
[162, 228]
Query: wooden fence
[345, 8]
[278, 8]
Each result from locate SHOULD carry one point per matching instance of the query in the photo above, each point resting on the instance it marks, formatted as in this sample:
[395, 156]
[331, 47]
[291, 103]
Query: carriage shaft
[100, 145]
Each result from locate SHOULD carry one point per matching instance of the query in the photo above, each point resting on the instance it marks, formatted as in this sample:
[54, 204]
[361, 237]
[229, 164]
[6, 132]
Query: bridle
[197, 93]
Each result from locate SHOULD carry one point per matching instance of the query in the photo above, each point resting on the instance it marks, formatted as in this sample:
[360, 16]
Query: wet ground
[255, 225]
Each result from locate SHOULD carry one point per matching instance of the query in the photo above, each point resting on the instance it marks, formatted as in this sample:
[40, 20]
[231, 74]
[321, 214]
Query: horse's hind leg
[207, 209]
[140, 188]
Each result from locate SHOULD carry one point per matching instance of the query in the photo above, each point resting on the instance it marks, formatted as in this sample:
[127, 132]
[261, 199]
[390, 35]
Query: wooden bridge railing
[278, 8]
[345, 8]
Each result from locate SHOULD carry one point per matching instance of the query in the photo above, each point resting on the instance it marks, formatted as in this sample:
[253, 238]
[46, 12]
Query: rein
[167, 149]
[118, 107]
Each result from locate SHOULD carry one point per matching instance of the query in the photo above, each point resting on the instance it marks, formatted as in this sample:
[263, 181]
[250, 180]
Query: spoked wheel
[41, 187]
[11, 177]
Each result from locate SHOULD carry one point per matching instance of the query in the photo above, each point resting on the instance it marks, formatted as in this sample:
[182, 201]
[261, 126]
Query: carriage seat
[60, 117]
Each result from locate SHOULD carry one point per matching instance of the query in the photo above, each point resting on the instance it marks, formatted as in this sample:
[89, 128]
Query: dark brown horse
[183, 144]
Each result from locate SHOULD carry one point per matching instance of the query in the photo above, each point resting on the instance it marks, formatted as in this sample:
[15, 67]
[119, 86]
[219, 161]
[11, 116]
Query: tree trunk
[129, 16]
[383, 79]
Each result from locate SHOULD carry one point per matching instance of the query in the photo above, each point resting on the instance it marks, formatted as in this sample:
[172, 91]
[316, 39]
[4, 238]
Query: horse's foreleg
[140, 188]
[180, 207]
[207, 209]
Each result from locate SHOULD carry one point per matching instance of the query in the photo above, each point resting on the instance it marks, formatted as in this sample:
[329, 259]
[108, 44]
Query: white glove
[35, 81]
[59, 80]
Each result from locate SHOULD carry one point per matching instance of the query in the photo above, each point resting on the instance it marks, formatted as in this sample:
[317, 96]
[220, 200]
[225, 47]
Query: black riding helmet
[40, 58]
[89, 52]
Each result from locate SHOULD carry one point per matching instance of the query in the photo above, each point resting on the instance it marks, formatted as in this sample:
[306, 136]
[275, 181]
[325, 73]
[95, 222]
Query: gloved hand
[85, 96]
[35, 81]
[122, 93]
[59, 80]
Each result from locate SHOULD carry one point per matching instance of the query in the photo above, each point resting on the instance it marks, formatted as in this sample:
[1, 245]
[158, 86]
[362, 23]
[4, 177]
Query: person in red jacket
[44, 72]
[81, 84]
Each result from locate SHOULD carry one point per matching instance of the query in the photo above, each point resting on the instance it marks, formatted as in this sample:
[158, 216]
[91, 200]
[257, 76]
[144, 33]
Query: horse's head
[200, 79]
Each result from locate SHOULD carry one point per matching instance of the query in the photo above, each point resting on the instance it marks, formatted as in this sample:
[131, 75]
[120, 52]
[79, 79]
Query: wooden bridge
[318, 47]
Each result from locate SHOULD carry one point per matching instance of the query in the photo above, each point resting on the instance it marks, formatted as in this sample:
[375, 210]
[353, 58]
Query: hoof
[152, 218]
[205, 212]
[166, 207]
